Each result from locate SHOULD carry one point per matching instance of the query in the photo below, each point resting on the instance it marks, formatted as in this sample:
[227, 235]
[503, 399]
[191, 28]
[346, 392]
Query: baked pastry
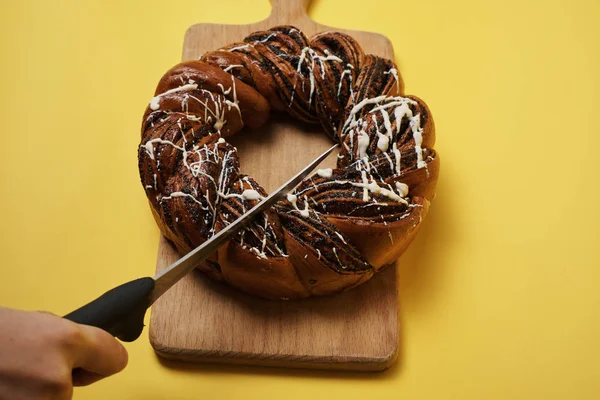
[338, 227]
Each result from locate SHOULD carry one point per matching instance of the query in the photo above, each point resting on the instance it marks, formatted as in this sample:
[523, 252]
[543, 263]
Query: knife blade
[121, 310]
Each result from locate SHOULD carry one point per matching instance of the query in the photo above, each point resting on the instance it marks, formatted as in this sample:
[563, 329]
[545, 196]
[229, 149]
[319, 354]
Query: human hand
[39, 351]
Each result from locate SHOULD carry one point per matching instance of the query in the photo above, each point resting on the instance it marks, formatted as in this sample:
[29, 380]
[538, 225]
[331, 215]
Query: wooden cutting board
[203, 321]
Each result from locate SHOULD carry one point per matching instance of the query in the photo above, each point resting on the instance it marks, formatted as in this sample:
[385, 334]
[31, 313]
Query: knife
[121, 310]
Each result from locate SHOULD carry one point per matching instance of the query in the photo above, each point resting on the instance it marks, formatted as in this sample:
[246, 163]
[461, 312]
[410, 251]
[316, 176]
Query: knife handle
[120, 311]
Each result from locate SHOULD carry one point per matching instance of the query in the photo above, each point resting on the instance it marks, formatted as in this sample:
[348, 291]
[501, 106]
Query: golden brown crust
[315, 274]
[385, 242]
[272, 277]
[338, 227]
[421, 181]
[253, 106]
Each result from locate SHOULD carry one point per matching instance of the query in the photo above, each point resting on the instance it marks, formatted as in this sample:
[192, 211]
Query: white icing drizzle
[388, 102]
[302, 57]
[207, 153]
[390, 161]
[234, 103]
[402, 189]
[292, 198]
[351, 143]
[155, 102]
[387, 124]
[329, 57]
[365, 161]
[259, 254]
[338, 259]
[394, 72]
[251, 194]
[415, 125]
[313, 200]
[204, 155]
[229, 68]
[365, 183]
[341, 237]
[351, 121]
[225, 92]
[181, 130]
[313, 183]
[344, 72]
[400, 111]
[268, 38]
[372, 187]
[348, 72]
[325, 172]
[149, 146]
[208, 118]
[212, 210]
[363, 144]
[244, 46]
[309, 54]
[181, 194]
[312, 86]
[378, 205]
[224, 170]
[383, 142]
[397, 157]
[281, 252]
[393, 101]
[264, 239]
[218, 113]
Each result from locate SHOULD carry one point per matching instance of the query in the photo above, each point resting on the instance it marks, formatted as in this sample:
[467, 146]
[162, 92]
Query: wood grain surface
[203, 321]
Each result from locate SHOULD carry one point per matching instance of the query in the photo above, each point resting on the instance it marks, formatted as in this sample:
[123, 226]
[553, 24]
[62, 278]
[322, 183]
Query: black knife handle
[120, 311]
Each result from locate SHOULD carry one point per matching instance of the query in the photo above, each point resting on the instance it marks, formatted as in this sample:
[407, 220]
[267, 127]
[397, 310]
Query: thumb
[99, 355]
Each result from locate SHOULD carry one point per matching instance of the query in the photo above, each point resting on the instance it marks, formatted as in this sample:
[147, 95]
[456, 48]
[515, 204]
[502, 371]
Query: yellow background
[500, 292]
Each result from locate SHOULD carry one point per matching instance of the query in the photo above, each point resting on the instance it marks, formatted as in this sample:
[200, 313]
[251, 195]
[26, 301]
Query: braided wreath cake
[339, 226]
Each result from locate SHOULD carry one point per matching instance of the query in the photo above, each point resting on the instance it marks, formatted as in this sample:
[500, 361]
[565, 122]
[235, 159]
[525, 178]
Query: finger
[81, 377]
[100, 353]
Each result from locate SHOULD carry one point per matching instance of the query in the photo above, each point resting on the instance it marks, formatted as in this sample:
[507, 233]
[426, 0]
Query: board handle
[288, 11]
